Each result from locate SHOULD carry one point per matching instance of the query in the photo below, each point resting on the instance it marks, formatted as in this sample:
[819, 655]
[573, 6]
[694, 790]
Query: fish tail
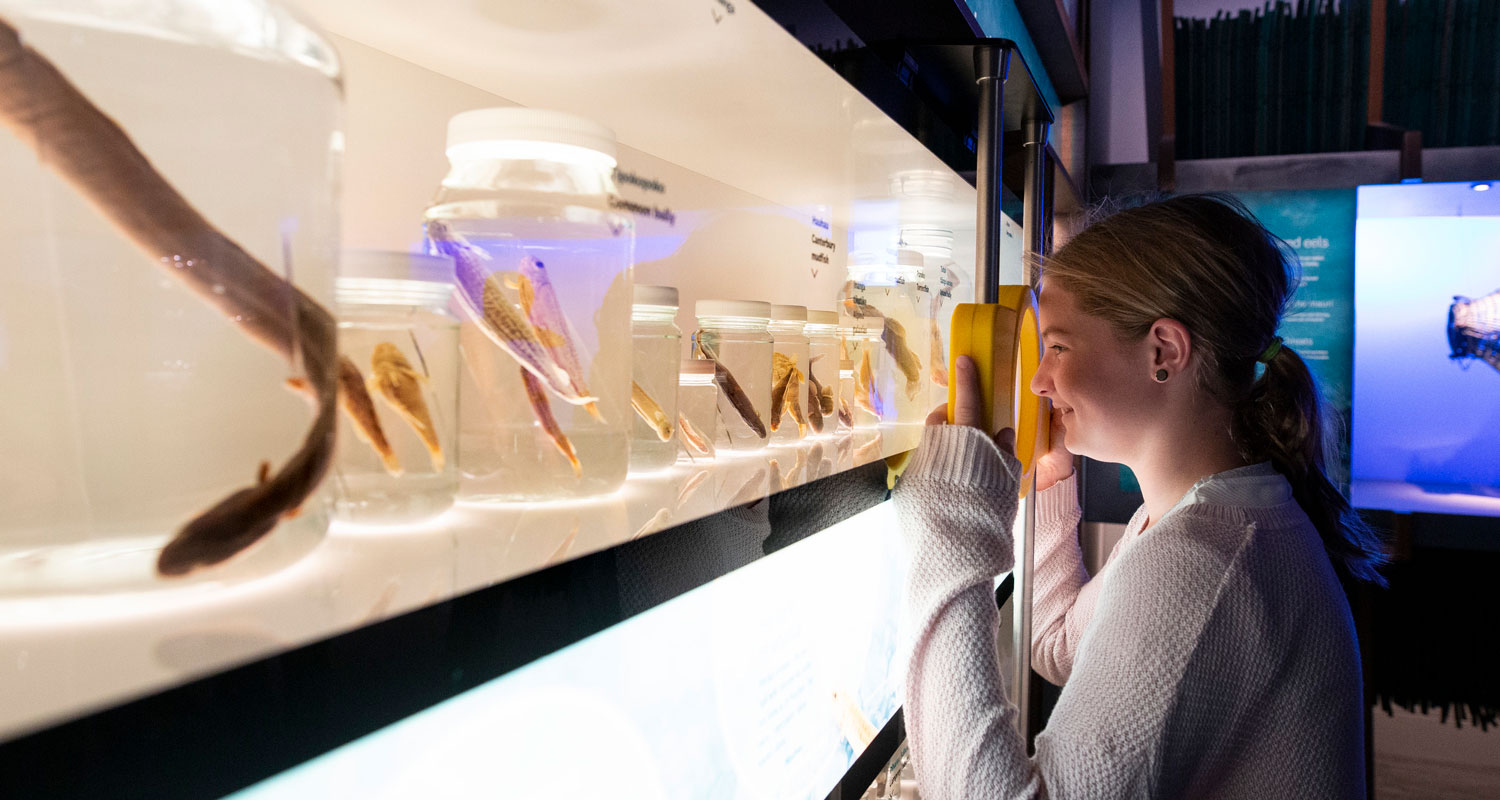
[543, 411]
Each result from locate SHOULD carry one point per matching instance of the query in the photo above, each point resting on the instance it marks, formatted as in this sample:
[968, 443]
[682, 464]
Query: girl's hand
[969, 408]
[1057, 463]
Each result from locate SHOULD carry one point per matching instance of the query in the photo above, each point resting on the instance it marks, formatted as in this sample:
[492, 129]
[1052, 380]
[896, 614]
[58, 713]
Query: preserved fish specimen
[650, 411]
[540, 304]
[732, 391]
[544, 415]
[483, 299]
[361, 412]
[93, 154]
[400, 387]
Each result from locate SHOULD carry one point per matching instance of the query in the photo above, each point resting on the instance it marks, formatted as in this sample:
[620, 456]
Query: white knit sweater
[1214, 657]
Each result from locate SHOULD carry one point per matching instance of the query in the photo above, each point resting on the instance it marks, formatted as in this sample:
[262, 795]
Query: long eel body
[97, 158]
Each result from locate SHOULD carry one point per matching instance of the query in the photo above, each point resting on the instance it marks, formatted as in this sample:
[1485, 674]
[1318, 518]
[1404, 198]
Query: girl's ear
[1172, 346]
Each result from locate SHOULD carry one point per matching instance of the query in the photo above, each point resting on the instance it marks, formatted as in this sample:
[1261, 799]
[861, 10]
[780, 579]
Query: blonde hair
[1208, 263]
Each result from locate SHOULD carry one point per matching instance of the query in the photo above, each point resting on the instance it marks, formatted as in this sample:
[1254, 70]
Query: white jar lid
[646, 295]
[782, 313]
[395, 266]
[815, 317]
[733, 308]
[697, 366]
[507, 132]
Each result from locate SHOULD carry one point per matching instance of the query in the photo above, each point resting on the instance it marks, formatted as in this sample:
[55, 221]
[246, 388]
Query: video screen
[1426, 410]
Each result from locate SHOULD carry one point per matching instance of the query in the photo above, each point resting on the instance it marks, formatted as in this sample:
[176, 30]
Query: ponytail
[1283, 419]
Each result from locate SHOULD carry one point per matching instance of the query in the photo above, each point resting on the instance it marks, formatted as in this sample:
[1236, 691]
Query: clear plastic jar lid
[529, 133]
[782, 313]
[753, 309]
[384, 277]
[815, 317]
[664, 296]
[697, 366]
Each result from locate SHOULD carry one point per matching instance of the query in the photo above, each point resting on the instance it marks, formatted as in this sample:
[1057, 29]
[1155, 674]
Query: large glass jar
[658, 350]
[945, 289]
[823, 369]
[734, 334]
[398, 343]
[789, 420]
[543, 274]
[697, 409]
[884, 295]
[169, 229]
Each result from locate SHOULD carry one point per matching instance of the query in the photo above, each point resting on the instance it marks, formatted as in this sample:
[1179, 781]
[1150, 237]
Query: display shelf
[243, 725]
[75, 654]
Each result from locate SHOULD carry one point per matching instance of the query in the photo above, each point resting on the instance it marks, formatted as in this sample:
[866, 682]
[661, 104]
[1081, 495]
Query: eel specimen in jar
[97, 158]
[693, 439]
[401, 387]
[734, 392]
[539, 301]
[543, 410]
[894, 336]
[650, 411]
[482, 296]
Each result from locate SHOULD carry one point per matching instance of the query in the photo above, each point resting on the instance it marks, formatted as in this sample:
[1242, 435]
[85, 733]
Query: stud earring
[1161, 376]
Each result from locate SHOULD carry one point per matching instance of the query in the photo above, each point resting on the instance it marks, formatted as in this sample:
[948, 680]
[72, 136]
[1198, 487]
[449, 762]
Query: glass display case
[575, 591]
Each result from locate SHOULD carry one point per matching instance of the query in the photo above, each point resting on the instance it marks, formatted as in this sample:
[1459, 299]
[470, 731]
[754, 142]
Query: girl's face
[1101, 386]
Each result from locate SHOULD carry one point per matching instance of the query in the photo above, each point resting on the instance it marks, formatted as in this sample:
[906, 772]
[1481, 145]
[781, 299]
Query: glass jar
[870, 384]
[945, 289]
[736, 334]
[542, 267]
[697, 409]
[884, 295]
[823, 369]
[789, 420]
[396, 454]
[658, 350]
[144, 358]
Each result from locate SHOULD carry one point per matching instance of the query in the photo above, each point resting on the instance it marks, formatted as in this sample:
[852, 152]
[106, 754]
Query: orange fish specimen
[400, 386]
[539, 301]
[814, 404]
[894, 336]
[543, 411]
[482, 295]
[361, 412]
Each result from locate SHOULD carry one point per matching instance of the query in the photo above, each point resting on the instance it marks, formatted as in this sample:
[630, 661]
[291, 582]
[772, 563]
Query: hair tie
[1271, 350]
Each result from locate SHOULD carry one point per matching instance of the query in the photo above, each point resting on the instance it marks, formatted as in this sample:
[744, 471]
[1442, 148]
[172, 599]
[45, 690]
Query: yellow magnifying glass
[1004, 341]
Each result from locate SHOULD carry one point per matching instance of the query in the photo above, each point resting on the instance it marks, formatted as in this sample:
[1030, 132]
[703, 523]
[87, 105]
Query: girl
[1215, 654]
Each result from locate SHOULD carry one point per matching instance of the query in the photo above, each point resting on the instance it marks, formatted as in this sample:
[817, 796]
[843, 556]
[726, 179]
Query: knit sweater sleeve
[957, 503]
[1063, 597]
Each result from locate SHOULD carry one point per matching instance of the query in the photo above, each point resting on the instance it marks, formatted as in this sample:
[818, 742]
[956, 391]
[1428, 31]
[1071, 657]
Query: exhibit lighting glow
[1480, 187]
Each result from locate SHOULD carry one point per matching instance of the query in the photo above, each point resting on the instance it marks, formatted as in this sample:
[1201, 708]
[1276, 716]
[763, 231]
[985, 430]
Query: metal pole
[1034, 238]
[991, 65]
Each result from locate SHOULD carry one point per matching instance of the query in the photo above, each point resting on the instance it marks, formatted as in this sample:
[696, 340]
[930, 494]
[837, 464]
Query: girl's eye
[1056, 348]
